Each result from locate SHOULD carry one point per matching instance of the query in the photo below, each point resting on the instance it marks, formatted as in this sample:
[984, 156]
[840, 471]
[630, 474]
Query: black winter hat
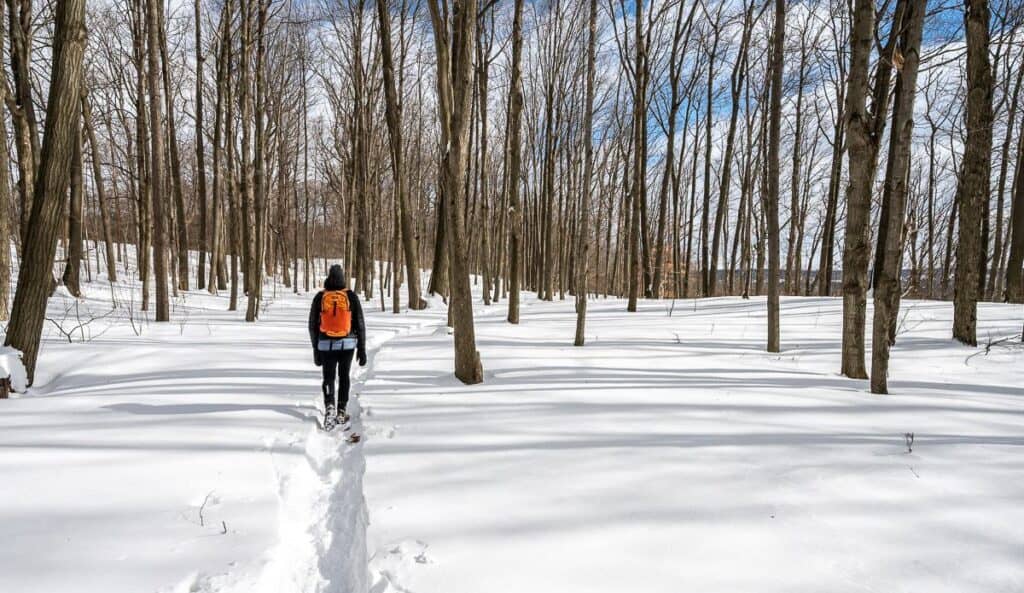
[335, 278]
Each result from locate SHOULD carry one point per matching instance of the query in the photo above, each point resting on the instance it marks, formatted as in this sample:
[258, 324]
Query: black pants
[336, 363]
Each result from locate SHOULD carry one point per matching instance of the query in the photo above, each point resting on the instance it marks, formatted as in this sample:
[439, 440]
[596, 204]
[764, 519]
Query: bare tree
[393, 110]
[513, 161]
[891, 242]
[974, 182]
[583, 244]
[772, 199]
[454, 33]
[59, 139]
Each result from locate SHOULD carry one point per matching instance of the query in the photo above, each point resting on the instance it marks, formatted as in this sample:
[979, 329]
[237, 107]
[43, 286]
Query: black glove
[361, 357]
[316, 358]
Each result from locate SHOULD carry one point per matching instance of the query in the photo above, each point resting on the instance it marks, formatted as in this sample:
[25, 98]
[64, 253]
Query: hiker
[337, 331]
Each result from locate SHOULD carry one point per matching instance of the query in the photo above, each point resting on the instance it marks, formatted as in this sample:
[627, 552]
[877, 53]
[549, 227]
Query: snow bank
[11, 366]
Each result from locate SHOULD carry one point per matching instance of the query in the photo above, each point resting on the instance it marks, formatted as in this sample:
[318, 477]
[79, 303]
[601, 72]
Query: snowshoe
[330, 418]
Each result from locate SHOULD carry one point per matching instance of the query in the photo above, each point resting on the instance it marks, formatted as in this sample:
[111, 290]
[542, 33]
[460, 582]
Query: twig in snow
[1009, 342]
[203, 506]
[903, 327]
[224, 527]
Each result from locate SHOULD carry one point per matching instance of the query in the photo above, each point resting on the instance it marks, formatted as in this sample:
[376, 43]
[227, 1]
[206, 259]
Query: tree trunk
[583, 242]
[101, 194]
[974, 181]
[639, 123]
[889, 272]
[1015, 260]
[858, 194]
[61, 132]
[772, 210]
[73, 249]
[7, 227]
[22, 106]
[513, 160]
[393, 113]
[180, 220]
[154, 23]
[204, 231]
[455, 90]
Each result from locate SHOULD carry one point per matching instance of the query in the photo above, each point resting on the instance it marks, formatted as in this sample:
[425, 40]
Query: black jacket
[358, 323]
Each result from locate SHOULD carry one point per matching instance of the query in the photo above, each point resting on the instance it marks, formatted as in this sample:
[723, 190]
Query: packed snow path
[673, 454]
[182, 457]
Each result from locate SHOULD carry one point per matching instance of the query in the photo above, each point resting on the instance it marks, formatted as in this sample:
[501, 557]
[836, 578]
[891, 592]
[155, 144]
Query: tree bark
[204, 231]
[73, 249]
[454, 48]
[583, 242]
[889, 272]
[858, 195]
[772, 210]
[1015, 260]
[974, 181]
[61, 130]
[154, 23]
[101, 194]
[514, 163]
[393, 114]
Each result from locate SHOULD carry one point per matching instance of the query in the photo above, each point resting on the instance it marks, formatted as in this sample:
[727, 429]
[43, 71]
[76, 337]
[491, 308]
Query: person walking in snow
[337, 331]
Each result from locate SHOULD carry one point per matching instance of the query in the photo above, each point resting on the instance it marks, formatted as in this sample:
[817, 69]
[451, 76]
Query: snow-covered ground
[669, 454]
[181, 456]
[673, 454]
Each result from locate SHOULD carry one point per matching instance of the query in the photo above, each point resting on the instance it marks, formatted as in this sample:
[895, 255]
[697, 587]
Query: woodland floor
[671, 453]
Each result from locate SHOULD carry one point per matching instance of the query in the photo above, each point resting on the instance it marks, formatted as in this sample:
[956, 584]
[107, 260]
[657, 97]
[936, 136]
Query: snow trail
[183, 457]
[322, 512]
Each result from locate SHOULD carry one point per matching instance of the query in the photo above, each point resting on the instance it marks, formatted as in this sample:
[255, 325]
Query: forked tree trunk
[454, 48]
[888, 273]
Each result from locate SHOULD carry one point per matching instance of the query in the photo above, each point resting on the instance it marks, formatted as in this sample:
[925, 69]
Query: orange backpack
[335, 314]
